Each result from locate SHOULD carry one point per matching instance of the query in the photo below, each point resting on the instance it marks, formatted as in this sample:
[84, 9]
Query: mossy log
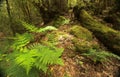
[113, 19]
[108, 36]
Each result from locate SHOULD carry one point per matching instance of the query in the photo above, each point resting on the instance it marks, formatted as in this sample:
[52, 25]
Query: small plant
[61, 21]
[32, 28]
[27, 55]
[99, 56]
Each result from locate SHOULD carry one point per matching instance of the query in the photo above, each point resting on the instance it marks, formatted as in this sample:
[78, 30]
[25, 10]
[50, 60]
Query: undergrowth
[60, 21]
[99, 56]
[28, 56]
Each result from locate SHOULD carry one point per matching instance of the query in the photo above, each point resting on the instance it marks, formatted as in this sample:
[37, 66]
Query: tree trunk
[107, 35]
[10, 17]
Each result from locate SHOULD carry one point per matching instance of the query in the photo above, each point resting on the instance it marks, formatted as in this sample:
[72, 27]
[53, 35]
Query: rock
[80, 32]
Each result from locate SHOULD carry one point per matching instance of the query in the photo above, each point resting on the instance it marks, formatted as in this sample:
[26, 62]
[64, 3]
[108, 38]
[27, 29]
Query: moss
[81, 32]
[58, 37]
[82, 40]
[93, 24]
[108, 36]
[83, 45]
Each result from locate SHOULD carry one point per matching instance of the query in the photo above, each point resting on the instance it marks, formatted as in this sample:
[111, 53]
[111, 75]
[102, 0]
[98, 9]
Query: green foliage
[32, 28]
[18, 71]
[22, 40]
[2, 56]
[72, 3]
[29, 55]
[99, 56]
[61, 20]
[79, 3]
[38, 56]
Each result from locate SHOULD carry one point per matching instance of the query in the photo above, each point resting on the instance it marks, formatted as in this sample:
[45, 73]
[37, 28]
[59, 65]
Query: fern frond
[18, 71]
[29, 27]
[32, 28]
[26, 60]
[61, 20]
[47, 56]
[22, 40]
[100, 56]
[46, 29]
[35, 55]
[39, 56]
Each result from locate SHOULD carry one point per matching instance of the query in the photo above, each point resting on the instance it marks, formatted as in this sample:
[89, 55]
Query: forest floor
[76, 64]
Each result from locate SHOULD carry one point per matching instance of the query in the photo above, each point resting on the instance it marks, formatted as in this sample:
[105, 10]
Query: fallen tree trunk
[113, 19]
[108, 36]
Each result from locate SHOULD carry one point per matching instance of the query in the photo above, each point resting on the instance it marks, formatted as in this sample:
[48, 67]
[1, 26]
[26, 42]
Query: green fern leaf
[46, 29]
[47, 56]
[32, 28]
[26, 60]
[28, 55]
[22, 40]
[29, 27]
[100, 56]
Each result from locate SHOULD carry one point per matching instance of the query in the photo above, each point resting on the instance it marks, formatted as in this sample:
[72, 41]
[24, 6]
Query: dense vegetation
[59, 38]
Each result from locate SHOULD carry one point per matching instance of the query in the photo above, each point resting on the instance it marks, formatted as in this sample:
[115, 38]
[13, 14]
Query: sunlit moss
[81, 32]
[83, 45]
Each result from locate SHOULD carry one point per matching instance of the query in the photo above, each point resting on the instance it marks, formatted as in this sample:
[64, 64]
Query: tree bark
[10, 17]
[108, 36]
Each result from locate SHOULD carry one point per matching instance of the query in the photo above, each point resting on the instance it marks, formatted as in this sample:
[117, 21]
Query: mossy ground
[75, 64]
[77, 40]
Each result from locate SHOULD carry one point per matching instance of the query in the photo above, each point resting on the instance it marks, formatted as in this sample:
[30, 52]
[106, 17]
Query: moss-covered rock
[80, 39]
[108, 36]
[80, 32]
[58, 36]
[83, 45]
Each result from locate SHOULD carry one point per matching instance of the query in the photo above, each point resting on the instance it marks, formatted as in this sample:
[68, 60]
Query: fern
[32, 28]
[48, 56]
[22, 40]
[38, 56]
[25, 60]
[61, 20]
[34, 55]
[99, 56]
